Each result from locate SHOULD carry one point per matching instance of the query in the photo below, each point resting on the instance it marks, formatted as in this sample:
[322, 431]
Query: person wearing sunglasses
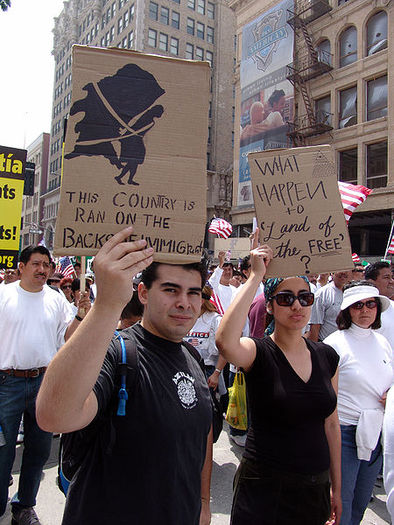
[293, 444]
[65, 286]
[365, 375]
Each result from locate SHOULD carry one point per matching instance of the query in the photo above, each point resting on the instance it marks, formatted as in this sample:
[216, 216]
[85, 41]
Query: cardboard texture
[12, 180]
[299, 210]
[238, 246]
[135, 154]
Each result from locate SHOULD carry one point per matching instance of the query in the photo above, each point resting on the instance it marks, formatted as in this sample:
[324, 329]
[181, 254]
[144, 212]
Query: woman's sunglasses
[288, 298]
[371, 304]
[66, 286]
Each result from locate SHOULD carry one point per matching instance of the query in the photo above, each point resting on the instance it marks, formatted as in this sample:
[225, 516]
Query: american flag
[391, 246]
[221, 228]
[216, 301]
[356, 258]
[352, 196]
[65, 267]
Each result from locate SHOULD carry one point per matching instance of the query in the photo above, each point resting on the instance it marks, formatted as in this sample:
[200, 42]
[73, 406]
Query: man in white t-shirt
[220, 281]
[34, 322]
[380, 275]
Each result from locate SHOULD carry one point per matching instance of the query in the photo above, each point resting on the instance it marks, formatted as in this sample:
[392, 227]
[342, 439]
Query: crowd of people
[316, 353]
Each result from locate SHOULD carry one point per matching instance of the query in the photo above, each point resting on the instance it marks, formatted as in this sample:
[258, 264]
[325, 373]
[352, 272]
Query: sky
[27, 70]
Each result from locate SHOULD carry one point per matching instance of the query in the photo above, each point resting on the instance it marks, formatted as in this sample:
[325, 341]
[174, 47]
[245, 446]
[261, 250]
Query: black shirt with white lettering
[152, 475]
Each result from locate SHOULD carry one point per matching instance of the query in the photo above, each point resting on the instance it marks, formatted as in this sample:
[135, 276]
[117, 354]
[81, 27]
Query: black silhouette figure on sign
[119, 110]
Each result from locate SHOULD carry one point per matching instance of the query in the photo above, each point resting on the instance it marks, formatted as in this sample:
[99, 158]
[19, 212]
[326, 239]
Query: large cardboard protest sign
[299, 210]
[239, 247]
[135, 153]
[12, 170]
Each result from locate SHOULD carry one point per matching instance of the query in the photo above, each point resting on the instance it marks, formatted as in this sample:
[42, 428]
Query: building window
[377, 98]
[164, 15]
[348, 47]
[348, 107]
[120, 25]
[209, 134]
[131, 12]
[124, 42]
[111, 34]
[199, 53]
[190, 26]
[125, 19]
[163, 42]
[210, 109]
[211, 10]
[200, 30]
[348, 166]
[191, 4]
[324, 52]
[377, 33]
[377, 165]
[210, 35]
[174, 46]
[153, 11]
[189, 51]
[177, 1]
[130, 40]
[209, 57]
[113, 9]
[175, 18]
[323, 110]
[152, 38]
[201, 7]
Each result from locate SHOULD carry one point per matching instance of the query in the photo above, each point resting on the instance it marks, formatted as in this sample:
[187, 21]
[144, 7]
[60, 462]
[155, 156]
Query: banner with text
[267, 97]
[12, 175]
[299, 210]
[135, 154]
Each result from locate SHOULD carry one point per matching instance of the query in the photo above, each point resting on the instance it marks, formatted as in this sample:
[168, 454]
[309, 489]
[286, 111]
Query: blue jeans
[17, 398]
[358, 477]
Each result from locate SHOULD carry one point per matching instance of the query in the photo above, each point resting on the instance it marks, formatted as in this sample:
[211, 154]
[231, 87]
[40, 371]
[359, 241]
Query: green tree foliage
[5, 4]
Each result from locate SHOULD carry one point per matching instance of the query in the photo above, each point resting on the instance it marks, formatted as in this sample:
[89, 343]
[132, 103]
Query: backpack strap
[128, 364]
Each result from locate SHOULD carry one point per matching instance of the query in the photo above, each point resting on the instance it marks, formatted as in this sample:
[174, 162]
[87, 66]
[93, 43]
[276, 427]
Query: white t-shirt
[225, 293]
[365, 371]
[32, 326]
[326, 308]
[387, 328]
[388, 451]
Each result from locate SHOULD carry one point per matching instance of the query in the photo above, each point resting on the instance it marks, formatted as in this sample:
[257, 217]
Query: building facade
[33, 226]
[342, 70]
[192, 29]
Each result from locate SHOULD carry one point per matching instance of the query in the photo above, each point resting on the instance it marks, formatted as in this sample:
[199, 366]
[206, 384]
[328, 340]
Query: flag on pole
[352, 196]
[356, 258]
[391, 246]
[216, 301]
[65, 267]
[221, 228]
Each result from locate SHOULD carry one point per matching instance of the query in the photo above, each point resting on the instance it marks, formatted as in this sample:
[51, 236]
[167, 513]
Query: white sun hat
[360, 293]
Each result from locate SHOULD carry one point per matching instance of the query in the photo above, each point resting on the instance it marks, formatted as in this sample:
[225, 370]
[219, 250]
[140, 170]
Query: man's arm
[83, 309]
[205, 515]
[314, 330]
[66, 401]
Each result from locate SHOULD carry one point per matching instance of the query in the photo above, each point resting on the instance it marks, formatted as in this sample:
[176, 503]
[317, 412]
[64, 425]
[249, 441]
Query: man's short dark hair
[344, 319]
[30, 250]
[372, 271]
[276, 96]
[149, 275]
[134, 308]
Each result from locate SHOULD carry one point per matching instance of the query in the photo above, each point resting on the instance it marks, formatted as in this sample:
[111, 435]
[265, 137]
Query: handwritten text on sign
[299, 211]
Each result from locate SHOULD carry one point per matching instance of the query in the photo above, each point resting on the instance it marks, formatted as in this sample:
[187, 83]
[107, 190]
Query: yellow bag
[236, 415]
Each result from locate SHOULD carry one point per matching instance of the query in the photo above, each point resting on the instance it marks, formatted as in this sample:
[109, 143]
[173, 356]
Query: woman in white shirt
[365, 375]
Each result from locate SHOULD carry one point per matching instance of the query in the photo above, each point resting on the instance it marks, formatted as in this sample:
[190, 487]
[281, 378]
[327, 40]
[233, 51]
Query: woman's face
[364, 316]
[293, 317]
[66, 289]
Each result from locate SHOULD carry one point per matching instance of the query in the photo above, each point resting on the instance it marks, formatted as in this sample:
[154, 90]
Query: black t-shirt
[287, 415]
[153, 474]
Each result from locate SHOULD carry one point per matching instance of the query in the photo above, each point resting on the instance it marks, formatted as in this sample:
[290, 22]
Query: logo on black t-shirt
[185, 388]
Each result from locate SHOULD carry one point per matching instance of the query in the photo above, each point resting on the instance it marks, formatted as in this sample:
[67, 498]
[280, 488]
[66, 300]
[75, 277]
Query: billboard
[267, 97]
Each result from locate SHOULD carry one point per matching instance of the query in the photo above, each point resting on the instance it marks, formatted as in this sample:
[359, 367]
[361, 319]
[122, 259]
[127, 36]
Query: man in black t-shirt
[158, 469]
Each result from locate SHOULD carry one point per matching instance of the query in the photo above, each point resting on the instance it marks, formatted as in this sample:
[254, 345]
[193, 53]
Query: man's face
[35, 272]
[173, 303]
[384, 282]
[341, 278]
[11, 276]
[226, 275]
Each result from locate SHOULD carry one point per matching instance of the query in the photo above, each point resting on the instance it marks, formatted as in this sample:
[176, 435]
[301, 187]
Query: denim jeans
[358, 477]
[17, 398]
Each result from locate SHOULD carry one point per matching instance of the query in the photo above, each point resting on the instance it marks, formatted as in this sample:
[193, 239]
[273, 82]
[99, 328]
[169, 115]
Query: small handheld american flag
[221, 228]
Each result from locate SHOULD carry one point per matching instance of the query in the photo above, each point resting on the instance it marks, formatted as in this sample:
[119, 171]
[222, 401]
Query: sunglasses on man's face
[371, 304]
[288, 298]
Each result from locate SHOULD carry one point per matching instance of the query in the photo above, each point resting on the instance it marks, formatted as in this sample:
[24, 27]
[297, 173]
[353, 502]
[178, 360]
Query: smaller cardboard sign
[299, 210]
[238, 246]
[135, 154]
[12, 169]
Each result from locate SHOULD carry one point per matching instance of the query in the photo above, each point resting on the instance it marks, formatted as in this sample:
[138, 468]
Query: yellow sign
[12, 169]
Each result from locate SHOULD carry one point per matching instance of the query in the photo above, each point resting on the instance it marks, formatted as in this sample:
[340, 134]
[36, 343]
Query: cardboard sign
[299, 210]
[238, 246]
[12, 174]
[135, 154]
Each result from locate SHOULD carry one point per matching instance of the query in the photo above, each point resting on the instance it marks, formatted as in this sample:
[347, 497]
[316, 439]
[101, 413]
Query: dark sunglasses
[371, 304]
[66, 286]
[288, 298]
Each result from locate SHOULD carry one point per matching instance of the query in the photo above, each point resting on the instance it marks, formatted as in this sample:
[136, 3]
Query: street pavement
[50, 501]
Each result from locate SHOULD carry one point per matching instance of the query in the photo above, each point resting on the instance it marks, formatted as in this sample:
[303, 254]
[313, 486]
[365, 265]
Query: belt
[33, 372]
